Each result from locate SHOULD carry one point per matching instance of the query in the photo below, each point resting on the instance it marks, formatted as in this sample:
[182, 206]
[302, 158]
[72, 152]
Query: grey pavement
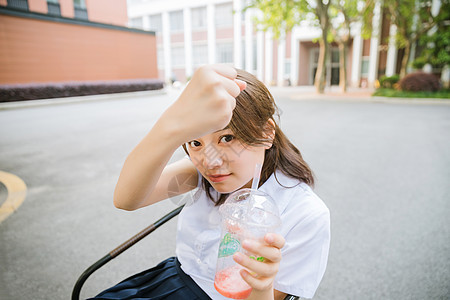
[381, 167]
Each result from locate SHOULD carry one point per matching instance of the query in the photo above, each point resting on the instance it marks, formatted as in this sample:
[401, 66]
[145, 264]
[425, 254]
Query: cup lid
[251, 207]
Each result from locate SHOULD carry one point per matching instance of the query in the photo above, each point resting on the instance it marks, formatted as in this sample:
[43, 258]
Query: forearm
[144, 165]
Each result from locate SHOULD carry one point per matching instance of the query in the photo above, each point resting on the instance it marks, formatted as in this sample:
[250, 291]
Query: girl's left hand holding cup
[262, 273]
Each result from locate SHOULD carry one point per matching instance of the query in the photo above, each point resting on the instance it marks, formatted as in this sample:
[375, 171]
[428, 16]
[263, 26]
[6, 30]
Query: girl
[225, 121]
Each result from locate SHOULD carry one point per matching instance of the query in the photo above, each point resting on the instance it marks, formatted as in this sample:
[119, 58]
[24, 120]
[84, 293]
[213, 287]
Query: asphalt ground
[382, 167]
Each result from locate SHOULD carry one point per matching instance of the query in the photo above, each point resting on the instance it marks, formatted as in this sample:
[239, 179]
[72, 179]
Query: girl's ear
[269, 134]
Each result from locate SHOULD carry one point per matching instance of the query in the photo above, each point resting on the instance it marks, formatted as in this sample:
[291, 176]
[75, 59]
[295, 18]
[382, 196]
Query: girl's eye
[226, 138]
[194, 144]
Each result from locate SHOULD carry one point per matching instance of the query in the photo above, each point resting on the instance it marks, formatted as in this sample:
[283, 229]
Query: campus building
[196, 32]
[43, 41]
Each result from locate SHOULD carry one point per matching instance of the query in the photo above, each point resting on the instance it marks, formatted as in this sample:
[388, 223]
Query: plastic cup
[246, 214]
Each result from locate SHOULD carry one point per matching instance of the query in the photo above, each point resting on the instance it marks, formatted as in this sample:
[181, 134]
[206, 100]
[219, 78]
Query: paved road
[383, 170]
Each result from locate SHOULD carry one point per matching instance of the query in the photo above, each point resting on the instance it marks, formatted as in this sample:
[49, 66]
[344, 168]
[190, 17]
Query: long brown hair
[250, 124]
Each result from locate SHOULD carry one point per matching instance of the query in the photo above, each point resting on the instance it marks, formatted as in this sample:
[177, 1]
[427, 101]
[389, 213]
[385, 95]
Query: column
[357, 57]
[237, 37]
[145, 23]
[166, 46]
[187, 20]
[268, 53]
[210, 12]
[281, 59]
[260, 55]
[294, 58]
[392, 52]
[259, 49]
[374, 43]
[248, 41]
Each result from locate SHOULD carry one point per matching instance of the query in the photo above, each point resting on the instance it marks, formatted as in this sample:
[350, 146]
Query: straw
[256, 176]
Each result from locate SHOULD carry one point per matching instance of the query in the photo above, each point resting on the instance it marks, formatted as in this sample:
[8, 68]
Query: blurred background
[363, 91]
[347, 43]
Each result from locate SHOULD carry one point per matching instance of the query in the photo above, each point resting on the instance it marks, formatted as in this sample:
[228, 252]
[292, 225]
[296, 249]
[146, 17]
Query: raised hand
[206, 104]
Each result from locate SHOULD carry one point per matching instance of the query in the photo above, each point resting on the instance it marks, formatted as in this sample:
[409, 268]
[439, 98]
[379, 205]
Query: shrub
[388, 81]
[420, 81]
[32, 91]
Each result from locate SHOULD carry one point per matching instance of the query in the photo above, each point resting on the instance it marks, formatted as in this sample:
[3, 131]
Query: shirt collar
[279, 190]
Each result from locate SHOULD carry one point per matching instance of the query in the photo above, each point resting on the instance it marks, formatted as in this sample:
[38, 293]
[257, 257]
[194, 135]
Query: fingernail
[269, 238]
[244, 273]
[237, 257]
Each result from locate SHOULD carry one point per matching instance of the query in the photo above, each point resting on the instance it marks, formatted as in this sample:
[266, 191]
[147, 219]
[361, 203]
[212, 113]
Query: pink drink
[230, 284]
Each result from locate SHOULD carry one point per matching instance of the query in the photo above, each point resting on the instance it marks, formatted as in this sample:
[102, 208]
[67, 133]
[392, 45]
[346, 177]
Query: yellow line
[17, 191]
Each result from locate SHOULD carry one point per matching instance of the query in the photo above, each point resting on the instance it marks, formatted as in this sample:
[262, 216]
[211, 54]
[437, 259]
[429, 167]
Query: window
[334, 67]
[365, 66]
[335, 56]
[53, 7]
[177, 56]
[225, 53]
[198, 18]
[79, 3]
[331, 68]
[200, 55]
[176, 21]
[80, 9]
[224, 15]
[287, 68]
[155, 22]
[136, 22]
[20, 4]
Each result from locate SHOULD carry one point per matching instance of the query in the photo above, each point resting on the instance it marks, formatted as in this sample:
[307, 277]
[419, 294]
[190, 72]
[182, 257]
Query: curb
[77, 99]
[370, 99]
[396, 100]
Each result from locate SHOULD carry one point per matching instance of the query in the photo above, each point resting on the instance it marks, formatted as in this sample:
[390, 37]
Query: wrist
[171, 132]
[266, 294]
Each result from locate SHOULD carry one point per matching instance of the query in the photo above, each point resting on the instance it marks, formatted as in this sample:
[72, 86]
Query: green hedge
[443, 94]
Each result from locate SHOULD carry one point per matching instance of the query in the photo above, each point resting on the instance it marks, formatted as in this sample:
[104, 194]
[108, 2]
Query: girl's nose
[212, 162]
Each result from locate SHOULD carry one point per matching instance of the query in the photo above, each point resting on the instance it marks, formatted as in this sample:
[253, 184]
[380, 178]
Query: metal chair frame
[126, 245]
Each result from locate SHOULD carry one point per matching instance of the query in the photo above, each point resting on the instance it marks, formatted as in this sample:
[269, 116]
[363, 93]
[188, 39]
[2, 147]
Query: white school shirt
[305, 227]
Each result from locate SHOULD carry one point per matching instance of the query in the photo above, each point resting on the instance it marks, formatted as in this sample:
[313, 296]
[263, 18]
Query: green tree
[436, 43]
[344, 14]
[333, 17]
[413, 19]
[281, 15]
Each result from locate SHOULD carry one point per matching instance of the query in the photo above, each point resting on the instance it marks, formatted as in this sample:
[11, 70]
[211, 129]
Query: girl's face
[224, 161]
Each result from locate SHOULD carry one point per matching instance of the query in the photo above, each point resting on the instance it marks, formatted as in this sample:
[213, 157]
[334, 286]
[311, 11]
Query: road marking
[17, 191]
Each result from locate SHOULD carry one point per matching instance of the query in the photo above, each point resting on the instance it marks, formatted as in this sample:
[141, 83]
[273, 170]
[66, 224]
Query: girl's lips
[218, 178]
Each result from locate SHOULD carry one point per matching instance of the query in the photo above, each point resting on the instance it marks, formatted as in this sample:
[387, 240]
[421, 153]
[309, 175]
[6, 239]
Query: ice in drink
[246, 214]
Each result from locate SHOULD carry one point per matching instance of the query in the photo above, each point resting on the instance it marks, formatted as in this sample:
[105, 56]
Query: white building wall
[210, 12]
[188, 41]
[264, 43]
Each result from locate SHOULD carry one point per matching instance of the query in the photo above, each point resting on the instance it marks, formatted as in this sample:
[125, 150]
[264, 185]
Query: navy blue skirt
[165, 281]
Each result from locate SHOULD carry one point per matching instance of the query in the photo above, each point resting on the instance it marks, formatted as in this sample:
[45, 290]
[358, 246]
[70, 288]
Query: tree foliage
[437, 41]
[344, 15]
[282, 15]
[414, 20]
[334, 18]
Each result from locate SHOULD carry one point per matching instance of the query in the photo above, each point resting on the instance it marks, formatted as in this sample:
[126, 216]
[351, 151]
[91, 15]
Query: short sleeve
[305, 254]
